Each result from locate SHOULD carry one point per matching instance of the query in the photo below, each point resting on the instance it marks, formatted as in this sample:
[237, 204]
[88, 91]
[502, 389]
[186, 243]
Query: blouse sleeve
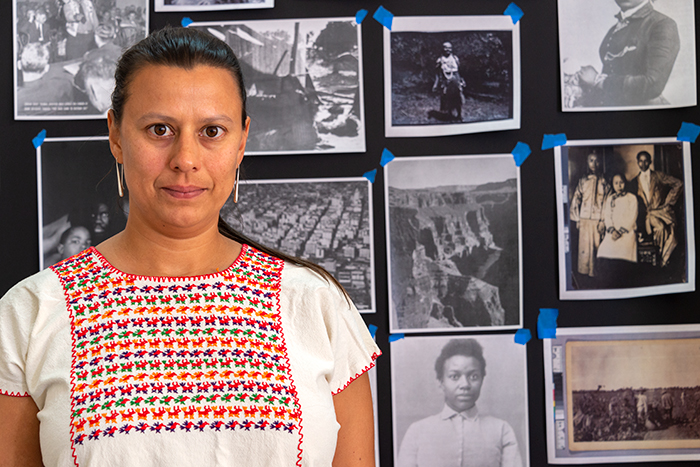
[18, 309]
[353, 347]
[329, 331]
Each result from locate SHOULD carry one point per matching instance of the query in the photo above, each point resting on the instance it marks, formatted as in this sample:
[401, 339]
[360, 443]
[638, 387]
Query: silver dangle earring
[120, 179]
[235, 184]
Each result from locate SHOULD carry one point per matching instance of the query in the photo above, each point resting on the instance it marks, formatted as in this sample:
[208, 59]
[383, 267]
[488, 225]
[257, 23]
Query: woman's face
[593, 163]
[618, 184]
[180, 139]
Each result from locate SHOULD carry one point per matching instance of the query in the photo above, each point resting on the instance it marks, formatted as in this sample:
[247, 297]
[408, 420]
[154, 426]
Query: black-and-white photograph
[79, 204]
[304, 83]
[459, 400]
[454, 243]
[211, 5]
[627, 54]
[449, 75]
[65, 54]
[625, 210]
[625, 394]
[326, 220]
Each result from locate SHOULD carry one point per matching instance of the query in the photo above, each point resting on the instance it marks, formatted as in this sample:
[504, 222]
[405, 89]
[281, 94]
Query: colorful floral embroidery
[168, 354]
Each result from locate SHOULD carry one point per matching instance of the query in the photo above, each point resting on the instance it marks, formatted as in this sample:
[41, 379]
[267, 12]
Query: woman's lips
[183, 192]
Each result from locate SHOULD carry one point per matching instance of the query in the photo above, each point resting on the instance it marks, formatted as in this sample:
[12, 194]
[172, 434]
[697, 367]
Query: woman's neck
[149, 253]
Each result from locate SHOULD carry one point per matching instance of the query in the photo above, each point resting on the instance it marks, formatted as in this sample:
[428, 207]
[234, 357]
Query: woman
[619, 246]
[178, 341]
[460, 434]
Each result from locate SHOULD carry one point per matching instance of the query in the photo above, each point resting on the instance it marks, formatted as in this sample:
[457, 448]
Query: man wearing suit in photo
[638, 54]
[658, 192]
[37, 30]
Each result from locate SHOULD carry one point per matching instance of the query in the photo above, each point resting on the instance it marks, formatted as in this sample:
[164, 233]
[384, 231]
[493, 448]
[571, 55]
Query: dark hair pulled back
[176, 47]
[187, 48]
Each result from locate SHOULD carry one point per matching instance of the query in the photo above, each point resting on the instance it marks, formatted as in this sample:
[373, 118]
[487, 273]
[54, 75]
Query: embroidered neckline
[133, 277]
[205, 357]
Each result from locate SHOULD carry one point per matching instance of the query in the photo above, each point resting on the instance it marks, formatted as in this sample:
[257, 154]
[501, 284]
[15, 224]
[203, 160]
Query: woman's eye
[159, 129]
[213, 131]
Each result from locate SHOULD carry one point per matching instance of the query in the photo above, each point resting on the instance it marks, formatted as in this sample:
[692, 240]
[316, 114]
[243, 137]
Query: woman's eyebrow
[166, 118]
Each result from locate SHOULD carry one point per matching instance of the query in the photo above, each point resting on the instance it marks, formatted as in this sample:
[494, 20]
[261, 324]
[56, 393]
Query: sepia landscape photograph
[633, 394]
[453, 242]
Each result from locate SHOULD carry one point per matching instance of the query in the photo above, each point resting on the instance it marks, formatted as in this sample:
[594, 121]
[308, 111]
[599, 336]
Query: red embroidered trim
[133, 277]
[291, 378]
[375, 356]
[72, 363]
[14, 394]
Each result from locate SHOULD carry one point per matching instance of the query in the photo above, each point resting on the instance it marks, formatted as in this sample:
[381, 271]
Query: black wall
[541, 114]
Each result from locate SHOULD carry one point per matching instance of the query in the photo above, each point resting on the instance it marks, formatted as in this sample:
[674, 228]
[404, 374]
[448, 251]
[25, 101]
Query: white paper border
[160, 6]
[693, 330]
[370, 220]
[392, 319]
[561, 19]
[362, 136]
[508, 339]
[451, 23]
[146, 15]
[607, 294]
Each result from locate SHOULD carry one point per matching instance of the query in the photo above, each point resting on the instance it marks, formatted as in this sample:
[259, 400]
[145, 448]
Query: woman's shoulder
[303, 279]
[42, 290]
[40, 283]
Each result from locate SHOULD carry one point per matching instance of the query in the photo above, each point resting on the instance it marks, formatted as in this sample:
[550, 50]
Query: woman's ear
[244, 139]
[114, 137]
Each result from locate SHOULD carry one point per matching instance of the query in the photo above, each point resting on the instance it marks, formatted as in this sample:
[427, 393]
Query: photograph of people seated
[66, 53]
[626, 216]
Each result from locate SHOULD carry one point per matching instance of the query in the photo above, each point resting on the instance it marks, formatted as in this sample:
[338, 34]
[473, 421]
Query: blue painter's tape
[372, 330]
[550, 141]
[360, 16]
[395, 337]
[38, 140]
[520, 153]
[547, 323]
[384, 17]
[371, 175]
[387, 157]
[186, 21]
[522, 336]
[688, 132]
[514, 12]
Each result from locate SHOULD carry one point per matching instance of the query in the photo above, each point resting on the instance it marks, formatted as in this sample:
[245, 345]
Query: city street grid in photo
[634, 243]
[211, 5]
[77, 195]
[326, 220]
[64, 59]
[303, 78]
[647, 62]
[417, 393]
[623, 394]
[449, 75]
[454, 243]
